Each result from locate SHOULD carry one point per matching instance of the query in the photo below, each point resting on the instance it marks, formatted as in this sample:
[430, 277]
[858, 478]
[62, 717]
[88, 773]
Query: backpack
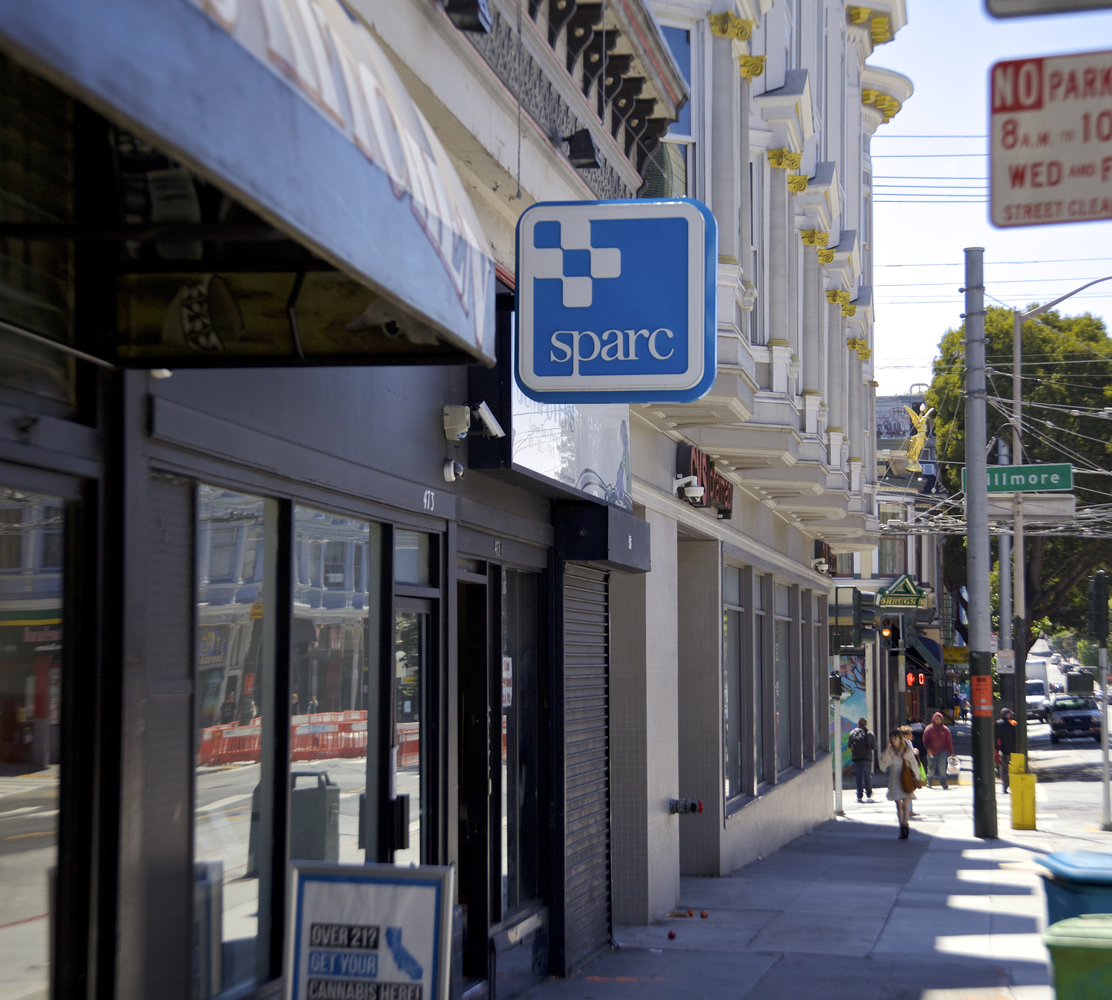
[858, 740]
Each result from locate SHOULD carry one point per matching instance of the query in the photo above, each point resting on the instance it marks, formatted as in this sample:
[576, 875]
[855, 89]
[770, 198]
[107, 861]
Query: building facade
[270, 585]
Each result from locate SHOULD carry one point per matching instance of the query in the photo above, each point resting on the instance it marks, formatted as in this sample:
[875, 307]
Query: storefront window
[732, 721]
[667, 169]
[519, 738]
[334, 670]
[234, 716]
[783, 688]
[31, 606]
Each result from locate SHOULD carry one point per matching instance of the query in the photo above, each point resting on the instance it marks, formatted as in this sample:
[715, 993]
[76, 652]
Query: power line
[970, 136]
[1005, 281]
[923, 156]
[1056, 260]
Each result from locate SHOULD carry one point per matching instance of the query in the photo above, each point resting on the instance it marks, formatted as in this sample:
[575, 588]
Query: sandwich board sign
[368, 932]
[1051, 128]
[617, 301]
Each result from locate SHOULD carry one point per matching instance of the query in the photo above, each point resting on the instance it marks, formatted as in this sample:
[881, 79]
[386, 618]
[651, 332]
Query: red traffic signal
[911, 679]
[922, 680]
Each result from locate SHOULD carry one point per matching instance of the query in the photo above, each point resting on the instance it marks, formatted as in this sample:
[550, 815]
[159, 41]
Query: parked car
[1074, 716]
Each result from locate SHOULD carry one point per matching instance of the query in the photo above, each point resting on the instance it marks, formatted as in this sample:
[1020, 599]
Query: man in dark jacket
[862, 746]
[1005, 743]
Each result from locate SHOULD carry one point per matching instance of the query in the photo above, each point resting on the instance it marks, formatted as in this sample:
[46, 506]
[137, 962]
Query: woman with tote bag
[899, 761]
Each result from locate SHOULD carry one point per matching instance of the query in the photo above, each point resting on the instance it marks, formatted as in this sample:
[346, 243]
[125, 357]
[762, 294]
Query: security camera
[457, 420]
[693, 492]
[452, 471]
[491, 426]
[820, 565]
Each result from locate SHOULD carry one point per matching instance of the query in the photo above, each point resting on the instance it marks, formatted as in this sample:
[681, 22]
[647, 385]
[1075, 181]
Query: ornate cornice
[785, 159]
[815, 237]
[836, 295]
[797, 183]
[880, 25]
[751, 66]
[826, 256]
[731, 26]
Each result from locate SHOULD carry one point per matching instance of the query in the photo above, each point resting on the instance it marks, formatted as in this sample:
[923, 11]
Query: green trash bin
[1081, 954]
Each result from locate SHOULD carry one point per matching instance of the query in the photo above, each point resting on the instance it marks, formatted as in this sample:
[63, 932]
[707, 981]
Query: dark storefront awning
[294, 111]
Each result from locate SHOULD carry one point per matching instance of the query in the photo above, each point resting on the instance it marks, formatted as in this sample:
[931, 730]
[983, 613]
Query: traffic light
[911, 678]
[890, 631]
[864, 614]
[1098, 608]
[922, 679]
[835, 685]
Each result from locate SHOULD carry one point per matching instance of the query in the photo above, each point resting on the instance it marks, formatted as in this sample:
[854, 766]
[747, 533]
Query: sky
[938, 142]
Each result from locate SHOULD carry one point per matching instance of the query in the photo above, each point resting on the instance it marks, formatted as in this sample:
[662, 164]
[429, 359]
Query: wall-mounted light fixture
[582, 151]
[470, 15]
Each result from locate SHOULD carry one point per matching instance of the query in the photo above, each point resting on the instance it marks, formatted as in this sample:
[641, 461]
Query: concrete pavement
[849, 911]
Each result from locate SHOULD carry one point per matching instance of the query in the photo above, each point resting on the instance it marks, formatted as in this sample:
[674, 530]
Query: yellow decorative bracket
[731, 26]
[751, 66]
[859, 15]
[849, 310]
[785, 159]
[865, 355]
[797, 183]
[836, 296]
[887, 105]
[815, 237]
[875, 385]
[881, 30]
[826, 256]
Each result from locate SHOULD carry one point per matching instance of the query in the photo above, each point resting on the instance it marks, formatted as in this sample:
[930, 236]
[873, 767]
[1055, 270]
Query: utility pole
[977, 546]
[1010, 691]
[1020, 563]
[836, 698]
[1098, 629]
[1020, 570]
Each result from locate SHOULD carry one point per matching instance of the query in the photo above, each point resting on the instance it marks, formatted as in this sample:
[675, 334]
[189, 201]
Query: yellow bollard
[1023, 793]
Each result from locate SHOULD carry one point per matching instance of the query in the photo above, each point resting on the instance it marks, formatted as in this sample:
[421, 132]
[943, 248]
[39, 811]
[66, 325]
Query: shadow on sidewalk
[846, 911]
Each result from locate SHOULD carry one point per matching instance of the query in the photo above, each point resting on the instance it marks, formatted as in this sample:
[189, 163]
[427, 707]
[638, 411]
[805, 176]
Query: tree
[1067, 363]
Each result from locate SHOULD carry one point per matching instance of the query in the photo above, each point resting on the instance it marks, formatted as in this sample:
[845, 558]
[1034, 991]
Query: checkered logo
[563, 250]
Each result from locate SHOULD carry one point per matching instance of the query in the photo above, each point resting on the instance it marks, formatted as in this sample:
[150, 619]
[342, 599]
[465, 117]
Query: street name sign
[1025, 8]
[369, 932]
[1051, 139]
[1027, 478]
[617, 301]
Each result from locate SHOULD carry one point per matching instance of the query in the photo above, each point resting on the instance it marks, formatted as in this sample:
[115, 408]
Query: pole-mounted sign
[617, 301]
[1027, 478]
[1025, 8]
[1051, 129]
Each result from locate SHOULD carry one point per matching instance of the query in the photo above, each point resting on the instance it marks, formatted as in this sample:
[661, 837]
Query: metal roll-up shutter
[586, 763]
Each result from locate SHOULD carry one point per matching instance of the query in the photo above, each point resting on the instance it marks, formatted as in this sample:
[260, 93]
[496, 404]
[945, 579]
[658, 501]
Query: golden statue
[919, 439]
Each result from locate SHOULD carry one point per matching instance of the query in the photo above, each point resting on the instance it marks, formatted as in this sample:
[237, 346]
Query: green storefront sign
[1027, 478]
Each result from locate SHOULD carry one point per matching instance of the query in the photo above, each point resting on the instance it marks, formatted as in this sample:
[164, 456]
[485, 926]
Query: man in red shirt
[940, 746]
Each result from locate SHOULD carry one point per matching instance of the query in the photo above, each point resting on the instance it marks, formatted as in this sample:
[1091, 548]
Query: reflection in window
[758, 678]
[665, 172]
[411, 558]
[893, 550]
[521, 814]
[234, 715]
[31, 602]
[411, 663]
[334, 670]
[783, 686]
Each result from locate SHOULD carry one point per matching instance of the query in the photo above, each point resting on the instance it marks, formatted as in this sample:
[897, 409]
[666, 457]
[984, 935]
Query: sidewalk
[849, 912]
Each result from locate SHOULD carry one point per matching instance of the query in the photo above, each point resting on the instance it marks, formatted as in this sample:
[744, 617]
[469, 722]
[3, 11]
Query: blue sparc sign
[617, 301]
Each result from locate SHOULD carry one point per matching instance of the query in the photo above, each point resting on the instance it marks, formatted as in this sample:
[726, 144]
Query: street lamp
[1019, 609]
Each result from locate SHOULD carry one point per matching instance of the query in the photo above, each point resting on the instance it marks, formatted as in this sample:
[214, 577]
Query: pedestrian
[314, 705]
[228, 709]
[908, 736]
[939, 744]
[1005, 743]
[897, 755]
[964, 706]
[862, 746]
[295, 708]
